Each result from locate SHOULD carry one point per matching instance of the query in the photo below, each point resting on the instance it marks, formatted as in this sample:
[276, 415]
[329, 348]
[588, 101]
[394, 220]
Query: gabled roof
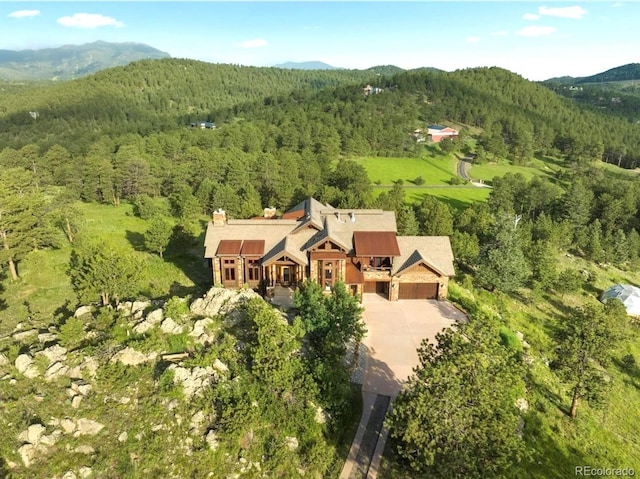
[375, 243]
[433, 251]
[286, 247]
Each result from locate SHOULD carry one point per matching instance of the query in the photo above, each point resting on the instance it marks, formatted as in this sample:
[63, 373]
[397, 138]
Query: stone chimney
[269, 212]
[219, 217]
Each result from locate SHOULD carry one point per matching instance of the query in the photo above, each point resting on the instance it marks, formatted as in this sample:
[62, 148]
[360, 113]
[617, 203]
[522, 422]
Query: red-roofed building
[437, 133]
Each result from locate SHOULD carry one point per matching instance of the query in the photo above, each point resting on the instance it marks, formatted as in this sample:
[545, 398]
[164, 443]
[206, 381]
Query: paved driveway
[395, 331]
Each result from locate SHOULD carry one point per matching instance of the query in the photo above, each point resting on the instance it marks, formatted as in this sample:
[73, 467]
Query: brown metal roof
[353, 274]
[293, 215]
[375, 243]
[252, 248]
[229, 247]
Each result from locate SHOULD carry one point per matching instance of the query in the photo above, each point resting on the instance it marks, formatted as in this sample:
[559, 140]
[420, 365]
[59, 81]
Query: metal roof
[375, 243]
[252, 248]
[229, 247]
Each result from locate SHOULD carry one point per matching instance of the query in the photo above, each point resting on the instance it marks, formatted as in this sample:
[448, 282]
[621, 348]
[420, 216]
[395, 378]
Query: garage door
[418, 291]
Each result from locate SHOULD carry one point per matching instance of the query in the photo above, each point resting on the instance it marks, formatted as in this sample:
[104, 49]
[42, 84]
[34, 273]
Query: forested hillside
[111, 157]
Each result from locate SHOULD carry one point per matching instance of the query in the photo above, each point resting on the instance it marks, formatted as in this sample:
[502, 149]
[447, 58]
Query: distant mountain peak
[312, 65]
[72, 61]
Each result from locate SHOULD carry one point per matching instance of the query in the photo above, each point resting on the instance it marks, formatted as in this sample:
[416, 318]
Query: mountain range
[627, 72]
[72, 61]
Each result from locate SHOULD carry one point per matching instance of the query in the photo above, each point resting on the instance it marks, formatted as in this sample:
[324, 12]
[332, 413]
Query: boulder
[69, 475]
[82, 310]
[220, 366]
[68, 425]
[220, 301]
[34, 433]
[123, 436]
[522, 404]
[212, 440]
[142, 327]
[155, 317]
[169, 326]
[196, 422]
[55, 353]
[55, 370]
[3, 360]
[22, 362]
[125, 307]
[138, 307]
[291, 443]
[131, 357]
[75, 401]
[85, 472]
[22, 335]
[193, 380]
[88, 427]
[27, 454]
[31, 372]
[84, 449]
[51, 439]
[45, 338]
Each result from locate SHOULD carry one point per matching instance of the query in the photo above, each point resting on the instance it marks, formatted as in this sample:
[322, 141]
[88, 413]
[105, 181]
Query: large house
[326, 244]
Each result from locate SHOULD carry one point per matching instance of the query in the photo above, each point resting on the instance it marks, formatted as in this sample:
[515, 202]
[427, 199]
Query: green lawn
[456, 197]
[386, 171]
[44, 290]
[487, 171]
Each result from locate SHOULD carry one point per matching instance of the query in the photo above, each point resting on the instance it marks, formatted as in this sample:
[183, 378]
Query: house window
[328, 274]
[253, 269]
[229, 269]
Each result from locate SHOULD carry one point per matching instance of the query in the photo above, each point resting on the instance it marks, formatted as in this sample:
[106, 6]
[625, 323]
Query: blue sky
[538, 40]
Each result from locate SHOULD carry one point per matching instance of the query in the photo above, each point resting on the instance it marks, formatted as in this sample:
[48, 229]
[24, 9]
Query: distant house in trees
[371, 90]
[437, 133]
[317, 241]
[204, 125]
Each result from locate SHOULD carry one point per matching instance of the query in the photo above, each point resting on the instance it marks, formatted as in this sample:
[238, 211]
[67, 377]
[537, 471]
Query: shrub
[176, 308]
[419, 181]
[71, 333]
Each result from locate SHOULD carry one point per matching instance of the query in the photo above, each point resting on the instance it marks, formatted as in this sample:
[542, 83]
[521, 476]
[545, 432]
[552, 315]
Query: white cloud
[535, 31]
[564, 12]
[473, 39]
[255, 43]
[617, 5]
[89, 20]
[24, 13]
[531, 16]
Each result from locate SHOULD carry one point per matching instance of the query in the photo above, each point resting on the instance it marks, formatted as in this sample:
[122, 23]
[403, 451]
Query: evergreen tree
[585, 340]
[98, 270]
[158, 235]
[502, 264]
[457, 416]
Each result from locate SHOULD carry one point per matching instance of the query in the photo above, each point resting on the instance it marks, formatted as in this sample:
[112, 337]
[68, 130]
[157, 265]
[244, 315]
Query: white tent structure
[629, 295]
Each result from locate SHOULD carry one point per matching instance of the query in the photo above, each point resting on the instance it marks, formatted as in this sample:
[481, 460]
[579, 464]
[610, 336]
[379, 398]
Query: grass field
[386, 171]
[487, 171]
[44, 289]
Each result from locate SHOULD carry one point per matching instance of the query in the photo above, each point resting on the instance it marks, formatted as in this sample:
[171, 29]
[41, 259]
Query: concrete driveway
[395, 330]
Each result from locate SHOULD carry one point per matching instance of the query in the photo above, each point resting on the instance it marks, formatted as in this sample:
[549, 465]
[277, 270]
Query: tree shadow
[187, 254]
[3, 277]
[136, 240]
